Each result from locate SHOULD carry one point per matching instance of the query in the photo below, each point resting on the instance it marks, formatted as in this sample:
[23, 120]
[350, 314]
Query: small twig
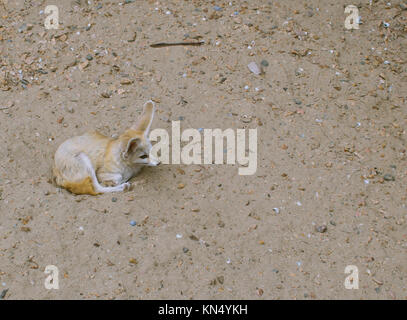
[170, 44]
[8, 106]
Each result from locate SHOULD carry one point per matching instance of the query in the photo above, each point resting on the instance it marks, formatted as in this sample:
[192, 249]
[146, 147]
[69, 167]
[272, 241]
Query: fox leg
[97, 186]
[110, 179]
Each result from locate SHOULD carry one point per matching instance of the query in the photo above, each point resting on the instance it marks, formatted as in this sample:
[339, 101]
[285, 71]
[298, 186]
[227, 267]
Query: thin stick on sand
[170, 44]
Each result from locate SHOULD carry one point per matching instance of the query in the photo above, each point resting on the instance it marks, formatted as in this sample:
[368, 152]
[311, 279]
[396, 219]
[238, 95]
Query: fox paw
[127, 186]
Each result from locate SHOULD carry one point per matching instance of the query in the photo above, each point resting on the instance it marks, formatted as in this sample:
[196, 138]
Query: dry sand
[331, 115]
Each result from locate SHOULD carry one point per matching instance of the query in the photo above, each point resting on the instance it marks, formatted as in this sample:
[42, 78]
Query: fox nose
[155, 162]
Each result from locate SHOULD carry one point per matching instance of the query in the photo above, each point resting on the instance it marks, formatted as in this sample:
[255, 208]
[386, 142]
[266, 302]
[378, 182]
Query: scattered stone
[133, 223]
[253, 67]
[389, 177]
[264, 63]
[114, 199]
[89, 57]
[106, 95]
[126, 81]
[69, 109]
[133, 261]
[83, 65]
[8, 106]
[22, 28]
[321, 229]
[185, 250]
[245, 118]
[3, 294]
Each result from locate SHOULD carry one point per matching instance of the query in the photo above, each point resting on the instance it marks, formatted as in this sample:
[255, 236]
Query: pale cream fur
[93, 163]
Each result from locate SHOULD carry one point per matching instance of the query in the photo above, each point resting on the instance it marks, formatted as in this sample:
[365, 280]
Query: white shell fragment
[253, 67]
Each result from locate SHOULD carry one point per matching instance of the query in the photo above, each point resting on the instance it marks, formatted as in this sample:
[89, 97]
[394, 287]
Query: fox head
[135, 145]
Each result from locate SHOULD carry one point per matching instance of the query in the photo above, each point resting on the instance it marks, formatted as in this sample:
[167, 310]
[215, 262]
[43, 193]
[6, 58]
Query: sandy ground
[330, 109]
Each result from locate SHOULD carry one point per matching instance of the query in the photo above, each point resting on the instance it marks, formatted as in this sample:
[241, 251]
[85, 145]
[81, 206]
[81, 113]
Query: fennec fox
[94, 164]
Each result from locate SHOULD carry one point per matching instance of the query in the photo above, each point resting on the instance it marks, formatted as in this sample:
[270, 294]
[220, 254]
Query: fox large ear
[130, 146]
[144, 122]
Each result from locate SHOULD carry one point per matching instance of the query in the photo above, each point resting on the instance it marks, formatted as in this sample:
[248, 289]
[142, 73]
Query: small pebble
[253, 67]
[22, 28]
[114, 199]
[264, 63]
[185, 250]
[389, 177]
[133, 223]
[3, 294]
[322, 229]
[70, 109]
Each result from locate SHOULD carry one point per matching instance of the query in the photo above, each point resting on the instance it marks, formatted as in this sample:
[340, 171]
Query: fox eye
[144, 156]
